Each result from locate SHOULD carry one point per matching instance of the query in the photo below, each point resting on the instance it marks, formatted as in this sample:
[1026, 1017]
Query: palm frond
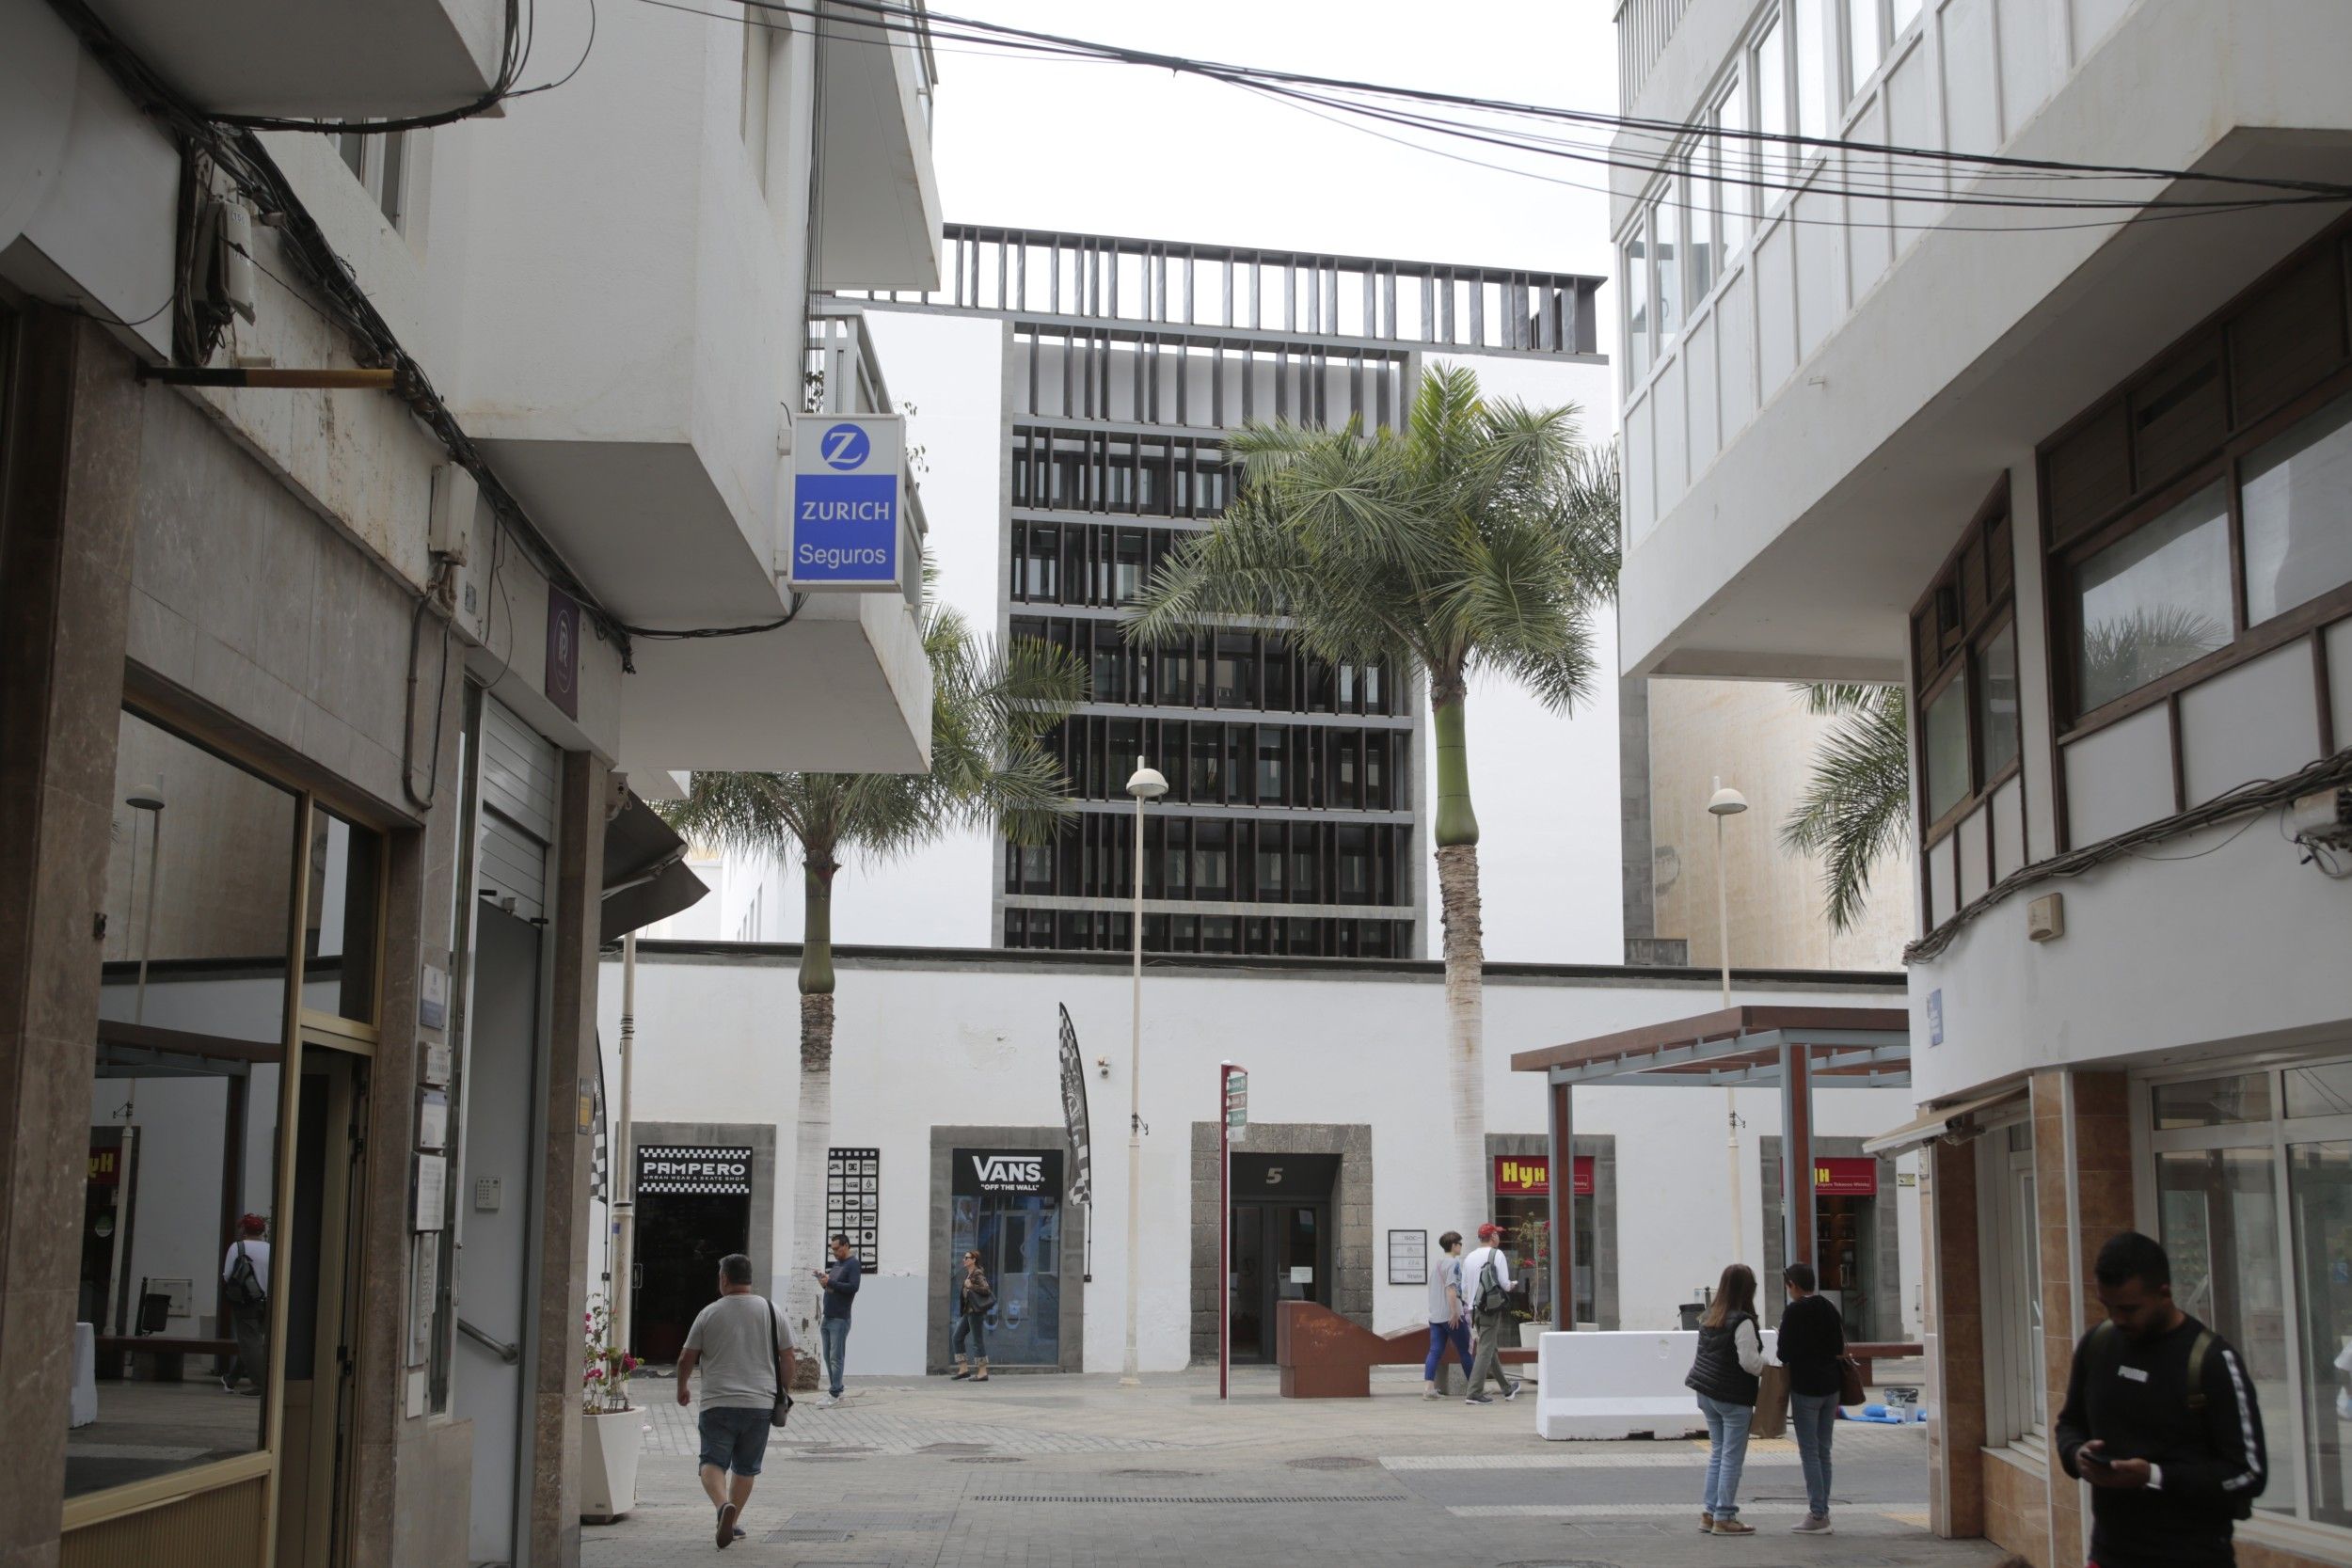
[1856, 807]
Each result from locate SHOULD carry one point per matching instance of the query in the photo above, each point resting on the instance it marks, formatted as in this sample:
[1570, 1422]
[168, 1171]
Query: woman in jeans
[973, 1301]
[1727, 1375]
[1813, 1347]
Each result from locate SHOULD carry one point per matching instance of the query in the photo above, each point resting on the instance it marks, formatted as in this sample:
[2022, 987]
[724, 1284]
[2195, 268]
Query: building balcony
[1819, 420]
[877, 193]
[380, 60]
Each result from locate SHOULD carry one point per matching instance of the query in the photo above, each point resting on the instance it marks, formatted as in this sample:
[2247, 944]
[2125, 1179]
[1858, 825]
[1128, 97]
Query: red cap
[253, 1224]
[1489, 1232]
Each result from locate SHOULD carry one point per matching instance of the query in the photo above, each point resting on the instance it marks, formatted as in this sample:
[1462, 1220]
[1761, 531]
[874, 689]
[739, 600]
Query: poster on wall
[853, 1199]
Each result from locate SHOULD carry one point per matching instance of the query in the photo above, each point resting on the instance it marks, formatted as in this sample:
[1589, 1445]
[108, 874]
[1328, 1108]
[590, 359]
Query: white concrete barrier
[1622, 1384]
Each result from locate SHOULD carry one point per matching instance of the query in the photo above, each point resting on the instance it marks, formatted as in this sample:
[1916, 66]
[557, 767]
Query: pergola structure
[1796, 1049]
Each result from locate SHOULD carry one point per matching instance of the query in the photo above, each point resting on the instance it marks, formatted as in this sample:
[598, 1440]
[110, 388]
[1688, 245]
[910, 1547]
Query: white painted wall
[923, 1043]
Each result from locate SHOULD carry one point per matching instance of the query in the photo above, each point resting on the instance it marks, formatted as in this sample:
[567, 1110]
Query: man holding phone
[2161, 1418]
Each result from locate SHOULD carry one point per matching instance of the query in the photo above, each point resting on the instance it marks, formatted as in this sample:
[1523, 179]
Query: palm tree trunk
[1457, 835]
[807, 1246]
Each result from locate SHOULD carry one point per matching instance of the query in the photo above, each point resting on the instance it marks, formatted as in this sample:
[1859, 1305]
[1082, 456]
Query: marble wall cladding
[1954, 1333]
[2017, 1508]
[71, 438]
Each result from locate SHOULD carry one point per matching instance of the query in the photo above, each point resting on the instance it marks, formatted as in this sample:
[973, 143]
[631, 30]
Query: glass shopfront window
[184, 1113]
[2254, 1198]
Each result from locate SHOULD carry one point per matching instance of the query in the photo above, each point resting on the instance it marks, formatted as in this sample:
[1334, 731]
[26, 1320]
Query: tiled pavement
[1073, 1470]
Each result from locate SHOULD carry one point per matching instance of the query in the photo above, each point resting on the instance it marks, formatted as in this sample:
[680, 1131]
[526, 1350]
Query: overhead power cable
[1740, 158]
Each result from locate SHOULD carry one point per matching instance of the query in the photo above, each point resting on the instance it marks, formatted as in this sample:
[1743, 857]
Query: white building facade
[360, 480]
[2081, 484]
[951, 1056]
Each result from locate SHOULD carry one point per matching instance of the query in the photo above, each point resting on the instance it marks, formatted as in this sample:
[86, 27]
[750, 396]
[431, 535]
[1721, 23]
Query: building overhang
[1800, 553]
[877, 212]
[1738, 1048]
[383, 60]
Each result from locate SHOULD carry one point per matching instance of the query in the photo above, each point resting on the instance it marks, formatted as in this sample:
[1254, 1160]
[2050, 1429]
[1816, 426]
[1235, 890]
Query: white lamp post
[1147, 785]
[1722, 803]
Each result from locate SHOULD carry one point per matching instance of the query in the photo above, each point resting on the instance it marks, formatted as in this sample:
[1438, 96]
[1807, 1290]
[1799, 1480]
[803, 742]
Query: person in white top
[1727, 1376]
[244, 1290]
[1449, 1318]
[1487, 1287]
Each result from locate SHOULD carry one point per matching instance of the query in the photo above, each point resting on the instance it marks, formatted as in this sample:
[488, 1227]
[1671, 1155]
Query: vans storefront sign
[844, 529]
[716, 1171]
[1016, 1171]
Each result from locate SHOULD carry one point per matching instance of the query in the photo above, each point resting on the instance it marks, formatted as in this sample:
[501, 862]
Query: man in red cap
[1486, 1283]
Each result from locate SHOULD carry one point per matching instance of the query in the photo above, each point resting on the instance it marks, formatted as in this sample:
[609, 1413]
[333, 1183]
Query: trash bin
[1691, 1312]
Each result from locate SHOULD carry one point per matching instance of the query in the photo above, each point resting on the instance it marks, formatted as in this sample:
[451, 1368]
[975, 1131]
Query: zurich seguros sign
[844, 527]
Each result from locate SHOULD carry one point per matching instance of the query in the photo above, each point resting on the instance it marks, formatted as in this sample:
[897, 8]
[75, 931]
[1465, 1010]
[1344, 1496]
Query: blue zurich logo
[844, 447]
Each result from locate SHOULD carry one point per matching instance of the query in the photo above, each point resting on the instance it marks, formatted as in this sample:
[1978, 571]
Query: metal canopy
[1739, 1047]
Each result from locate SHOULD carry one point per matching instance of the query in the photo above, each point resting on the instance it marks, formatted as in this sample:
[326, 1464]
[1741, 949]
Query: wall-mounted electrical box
[449, 533]
[2045, 917]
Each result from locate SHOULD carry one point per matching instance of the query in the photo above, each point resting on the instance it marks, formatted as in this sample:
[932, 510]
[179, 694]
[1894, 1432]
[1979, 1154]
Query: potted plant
[611, 1430]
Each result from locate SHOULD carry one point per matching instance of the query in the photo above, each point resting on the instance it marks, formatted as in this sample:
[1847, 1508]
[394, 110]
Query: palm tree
[1480, 539]
[1856, 808]
[990, 712]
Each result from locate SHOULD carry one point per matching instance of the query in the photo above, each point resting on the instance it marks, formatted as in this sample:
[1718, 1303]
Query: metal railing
[1645, 27]
[1236, 293]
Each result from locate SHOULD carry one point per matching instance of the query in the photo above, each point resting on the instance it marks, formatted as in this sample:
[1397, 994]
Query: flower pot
[608, 1445]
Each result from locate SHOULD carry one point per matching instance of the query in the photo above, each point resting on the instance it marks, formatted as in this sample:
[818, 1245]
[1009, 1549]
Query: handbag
[1772, 1402]
[781, 1411]
[1850, 1389]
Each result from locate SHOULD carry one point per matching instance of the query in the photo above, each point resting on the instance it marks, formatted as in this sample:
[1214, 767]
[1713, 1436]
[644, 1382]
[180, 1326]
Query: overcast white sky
[1124, 151]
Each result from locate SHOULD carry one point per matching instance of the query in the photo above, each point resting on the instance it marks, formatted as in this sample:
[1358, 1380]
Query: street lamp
[1722, 803]
[1146, 784]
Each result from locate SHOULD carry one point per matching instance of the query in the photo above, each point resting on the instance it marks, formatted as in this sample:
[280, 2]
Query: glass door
[1246, 1278]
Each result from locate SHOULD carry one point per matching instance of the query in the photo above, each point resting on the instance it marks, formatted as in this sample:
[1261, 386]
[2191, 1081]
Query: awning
[644, 871]
[1966, 1116]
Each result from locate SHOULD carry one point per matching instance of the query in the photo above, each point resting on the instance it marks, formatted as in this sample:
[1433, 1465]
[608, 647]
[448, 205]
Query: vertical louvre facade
[1293, 822]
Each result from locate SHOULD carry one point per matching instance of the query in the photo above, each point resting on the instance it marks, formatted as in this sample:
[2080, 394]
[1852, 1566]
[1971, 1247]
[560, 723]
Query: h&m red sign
[1530, 1176]
[1845, 1178]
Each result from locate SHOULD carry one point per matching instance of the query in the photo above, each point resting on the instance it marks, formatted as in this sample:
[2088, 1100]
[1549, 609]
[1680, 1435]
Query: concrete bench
[1596, 1385]
[166, 1354]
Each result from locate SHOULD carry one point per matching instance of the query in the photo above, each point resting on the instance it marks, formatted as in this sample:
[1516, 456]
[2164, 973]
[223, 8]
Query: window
[1865, 43]
[379, 162]
[2253, 1199]
[1665, 226]
[1696, 191]
[1964, 656]
[1770, 62]
[1812, 43]
[1635, 270]
[2154, 601]
[2194, 517]
[1734, 159]
[2295, 491]
[2016, 1387]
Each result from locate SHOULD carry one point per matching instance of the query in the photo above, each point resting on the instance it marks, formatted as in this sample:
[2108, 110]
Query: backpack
[1492, 1298]
[2106, 1337]
[245, 1291]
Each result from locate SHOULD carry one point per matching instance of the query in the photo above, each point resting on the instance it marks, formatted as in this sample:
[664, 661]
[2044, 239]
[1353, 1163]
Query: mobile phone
[2093, 1458]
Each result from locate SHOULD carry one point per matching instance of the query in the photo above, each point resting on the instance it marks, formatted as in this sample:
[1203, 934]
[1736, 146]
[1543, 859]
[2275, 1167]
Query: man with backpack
[2161, 1418]
[1486, 1281]
[245, 1288]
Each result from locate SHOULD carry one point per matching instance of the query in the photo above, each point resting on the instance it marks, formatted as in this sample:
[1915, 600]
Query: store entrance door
[681, 1239]
[1282, 1241]
[1845, 1240]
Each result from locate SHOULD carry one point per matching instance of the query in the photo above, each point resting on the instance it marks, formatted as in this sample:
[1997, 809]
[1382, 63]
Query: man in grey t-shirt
[740, 1345]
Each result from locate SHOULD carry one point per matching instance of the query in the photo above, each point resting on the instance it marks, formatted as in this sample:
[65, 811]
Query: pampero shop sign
[1019, 1172]
[843, 532]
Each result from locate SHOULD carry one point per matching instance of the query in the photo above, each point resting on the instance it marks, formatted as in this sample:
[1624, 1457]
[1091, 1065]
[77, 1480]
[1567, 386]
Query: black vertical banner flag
[1073, 1113]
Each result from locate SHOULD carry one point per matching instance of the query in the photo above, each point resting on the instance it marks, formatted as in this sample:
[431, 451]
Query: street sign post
[1234, 1092]
[844, 529]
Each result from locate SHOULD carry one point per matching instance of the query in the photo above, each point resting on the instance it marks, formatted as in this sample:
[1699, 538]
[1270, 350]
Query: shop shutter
[518, 811]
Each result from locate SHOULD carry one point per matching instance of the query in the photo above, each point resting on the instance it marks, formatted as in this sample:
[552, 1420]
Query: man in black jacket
[2160, 1419]
[1813, 1347]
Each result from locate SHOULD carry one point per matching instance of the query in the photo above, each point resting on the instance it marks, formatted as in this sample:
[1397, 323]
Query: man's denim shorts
[734, 1440]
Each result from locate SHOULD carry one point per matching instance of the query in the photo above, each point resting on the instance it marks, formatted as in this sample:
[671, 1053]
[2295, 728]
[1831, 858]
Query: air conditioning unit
[2322, 817]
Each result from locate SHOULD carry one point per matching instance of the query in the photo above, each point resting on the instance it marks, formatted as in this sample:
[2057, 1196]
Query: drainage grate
[988, 1459]
[1373, 1497]
[1157, 1475]
[953, 1448]
[811, 1536]
[1333, 1462]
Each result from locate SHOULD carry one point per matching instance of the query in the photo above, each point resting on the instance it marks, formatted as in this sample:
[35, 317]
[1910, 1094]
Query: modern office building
[1293, 823]
[2080, 480]
[351, 486]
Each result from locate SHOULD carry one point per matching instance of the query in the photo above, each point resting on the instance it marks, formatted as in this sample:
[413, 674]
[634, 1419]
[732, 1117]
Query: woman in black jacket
[1727, 1375]
[973, 1300]
[1813, 1347]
